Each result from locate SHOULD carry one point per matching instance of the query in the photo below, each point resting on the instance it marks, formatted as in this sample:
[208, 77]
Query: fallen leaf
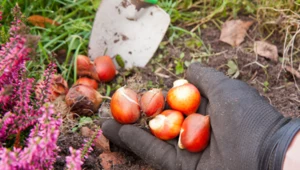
[293, 71]
[265, 49]
[41, 21]
[233, 69]
[234, 31]
[111, 159]
[101, 142]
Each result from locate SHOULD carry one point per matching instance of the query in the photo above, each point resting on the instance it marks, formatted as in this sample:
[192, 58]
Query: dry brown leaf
[111, 159]
[265, 49]
[293, 71]
[234, 31]
[41, 21]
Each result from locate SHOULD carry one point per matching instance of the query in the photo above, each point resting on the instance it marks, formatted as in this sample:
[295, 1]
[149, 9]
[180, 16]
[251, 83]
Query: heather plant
[74, 161]
[13, 56]
[41, 149]
[23, 107]
[16, 89]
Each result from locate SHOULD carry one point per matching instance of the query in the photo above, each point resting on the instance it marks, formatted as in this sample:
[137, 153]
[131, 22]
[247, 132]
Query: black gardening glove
[246, 131]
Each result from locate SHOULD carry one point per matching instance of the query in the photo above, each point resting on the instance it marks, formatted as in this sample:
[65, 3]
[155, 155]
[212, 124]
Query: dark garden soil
[281, 90]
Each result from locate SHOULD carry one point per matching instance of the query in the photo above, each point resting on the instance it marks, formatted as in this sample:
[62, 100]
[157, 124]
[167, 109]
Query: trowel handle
[151, 1]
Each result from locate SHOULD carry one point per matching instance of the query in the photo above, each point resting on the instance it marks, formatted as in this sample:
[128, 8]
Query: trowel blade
[128, 29]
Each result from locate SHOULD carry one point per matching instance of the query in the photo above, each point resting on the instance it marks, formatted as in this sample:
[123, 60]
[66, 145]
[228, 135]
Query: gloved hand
[246, 131]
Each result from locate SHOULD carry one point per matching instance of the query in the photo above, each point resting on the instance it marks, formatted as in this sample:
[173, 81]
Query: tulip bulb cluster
[83, 97]
[126, 108]
[181, 120]
[101, 69]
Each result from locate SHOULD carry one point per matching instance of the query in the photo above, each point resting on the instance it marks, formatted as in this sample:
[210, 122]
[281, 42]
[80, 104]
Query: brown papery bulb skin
[59, 86]
[184, 97]
[152, 102]
[166, 125]
[84, 100]
[124, 106]
[194, 133]
[105, 68]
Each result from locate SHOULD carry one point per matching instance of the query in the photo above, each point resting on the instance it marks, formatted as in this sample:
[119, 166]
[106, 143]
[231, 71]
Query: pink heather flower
[23, 114]
[43, 90]
[13, 56]
[99, 133]
[17, 112]
[7, 120]
[41, 150]
[74, 162]
[87, 147]
[8, 159]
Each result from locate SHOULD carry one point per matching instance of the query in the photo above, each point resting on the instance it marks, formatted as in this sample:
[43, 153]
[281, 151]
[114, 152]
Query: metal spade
[130, 28]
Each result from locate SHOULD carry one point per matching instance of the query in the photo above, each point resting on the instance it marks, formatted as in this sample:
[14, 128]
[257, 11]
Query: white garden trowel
[132, 29]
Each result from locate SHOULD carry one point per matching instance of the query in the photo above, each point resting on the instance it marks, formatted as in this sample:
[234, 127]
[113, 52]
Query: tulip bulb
[166, 125]
[85, 67]
[184, 97]
[84, 100]
[88, 82]
[152, 102]
[124, 106]
[195, 133]
[58, 86]
[105, 68]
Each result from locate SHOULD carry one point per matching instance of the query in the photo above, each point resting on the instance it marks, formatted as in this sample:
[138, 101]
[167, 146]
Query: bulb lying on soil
[83, 100]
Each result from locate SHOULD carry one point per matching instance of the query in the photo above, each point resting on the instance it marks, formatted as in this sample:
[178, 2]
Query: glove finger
[151, 149]
[185, 160]
[203, 106]
[111, 130]
[204, 78]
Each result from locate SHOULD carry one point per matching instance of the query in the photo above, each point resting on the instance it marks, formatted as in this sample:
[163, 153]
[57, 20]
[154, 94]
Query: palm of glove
[240, 119]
